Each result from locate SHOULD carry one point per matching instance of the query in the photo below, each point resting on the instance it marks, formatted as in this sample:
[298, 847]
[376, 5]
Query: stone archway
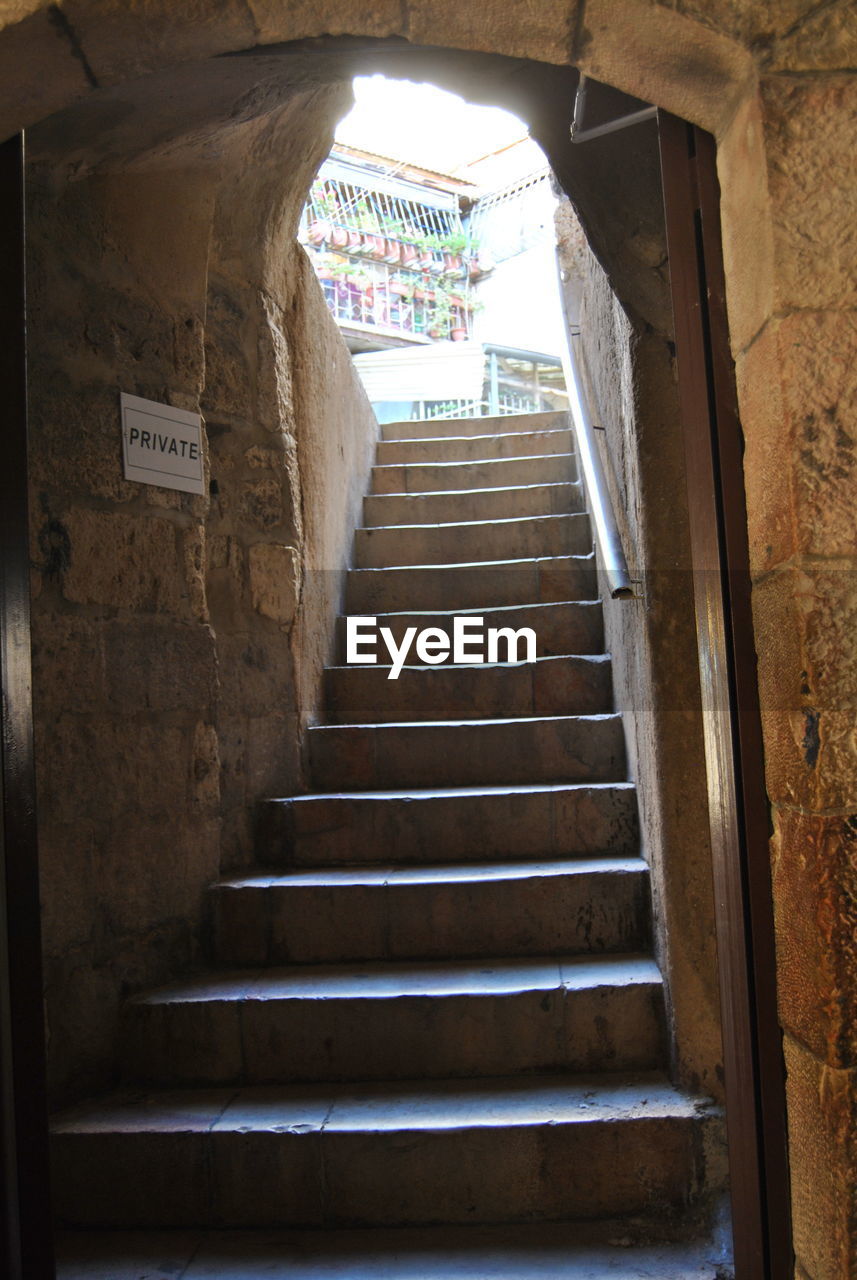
[783, 286]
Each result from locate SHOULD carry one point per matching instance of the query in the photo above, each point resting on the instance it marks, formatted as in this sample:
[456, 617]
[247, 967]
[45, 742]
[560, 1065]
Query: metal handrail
[592, 468]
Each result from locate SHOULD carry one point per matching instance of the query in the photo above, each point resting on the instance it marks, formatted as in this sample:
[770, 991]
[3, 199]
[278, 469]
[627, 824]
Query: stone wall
[775, 83]
[178, 639]
[628, 368]
[793, 333]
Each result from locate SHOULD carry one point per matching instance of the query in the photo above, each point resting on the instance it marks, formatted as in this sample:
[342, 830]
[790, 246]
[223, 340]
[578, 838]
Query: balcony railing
[389, 264]
[393, 301]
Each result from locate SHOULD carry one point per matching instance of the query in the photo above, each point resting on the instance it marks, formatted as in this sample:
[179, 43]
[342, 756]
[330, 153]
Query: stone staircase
[433, 1044]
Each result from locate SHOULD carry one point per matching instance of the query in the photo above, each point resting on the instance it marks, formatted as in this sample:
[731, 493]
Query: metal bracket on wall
[600, 109]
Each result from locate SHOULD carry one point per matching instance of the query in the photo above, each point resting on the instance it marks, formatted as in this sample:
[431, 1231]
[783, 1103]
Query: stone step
[542, 1251]
[575, 906]
[564, 627]
[465, 542]
[485, 585]
[508, 423]
[462, 753]
[385, 1020]
[476, 1151]
[520, 444]
[462, 824]
[569, 685]
[473, 504]
[432, 477]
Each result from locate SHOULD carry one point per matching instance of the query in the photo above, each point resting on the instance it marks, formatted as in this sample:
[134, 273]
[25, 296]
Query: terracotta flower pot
[319, 231]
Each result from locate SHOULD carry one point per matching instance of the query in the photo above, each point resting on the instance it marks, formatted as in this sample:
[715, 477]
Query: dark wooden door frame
[737, 795]
[26, 1240]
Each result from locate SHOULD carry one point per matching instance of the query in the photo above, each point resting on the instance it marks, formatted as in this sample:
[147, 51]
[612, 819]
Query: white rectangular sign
[162, 445]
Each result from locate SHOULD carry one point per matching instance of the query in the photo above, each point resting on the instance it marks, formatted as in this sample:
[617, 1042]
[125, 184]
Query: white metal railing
[592, 468]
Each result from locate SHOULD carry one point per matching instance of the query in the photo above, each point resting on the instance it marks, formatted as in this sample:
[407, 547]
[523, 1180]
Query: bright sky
[427, 126]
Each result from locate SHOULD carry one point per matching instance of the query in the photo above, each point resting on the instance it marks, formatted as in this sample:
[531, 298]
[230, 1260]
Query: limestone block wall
[178, 639]
[629, 371]
[793, 330]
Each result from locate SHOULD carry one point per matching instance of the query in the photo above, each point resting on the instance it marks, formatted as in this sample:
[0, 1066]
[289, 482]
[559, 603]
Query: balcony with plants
[390, 265]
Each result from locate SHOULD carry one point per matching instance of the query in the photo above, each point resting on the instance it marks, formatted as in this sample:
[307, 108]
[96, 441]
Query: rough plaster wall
[335, 464]
[167, 699]
[653, 645]
[774, 81]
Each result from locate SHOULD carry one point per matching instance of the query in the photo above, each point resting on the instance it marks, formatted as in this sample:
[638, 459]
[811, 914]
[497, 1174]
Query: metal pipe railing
[592, 468]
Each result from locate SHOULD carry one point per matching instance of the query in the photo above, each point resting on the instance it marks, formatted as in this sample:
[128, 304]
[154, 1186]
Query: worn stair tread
[515, 562]
[562, 627]
[388, 1106]
[596, 659]
[440, 873]
[494, 424]
[454, 750]
[445, 793]
[469, 448]
[463, 464]
[557, 497]
[590, 906]
[393, 979]
[454, 542]
[613, 717]
[545, 1251]
[453, 437]
[431, 477]
[545, 517]
[473, 584]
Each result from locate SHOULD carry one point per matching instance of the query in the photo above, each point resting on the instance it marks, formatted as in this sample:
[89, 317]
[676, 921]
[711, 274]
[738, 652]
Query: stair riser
[566, 822]
[529, 444]
[575, 628]
[479, 504]
[587, 913]
[525, 582]
[290, 1040]
[368, 756]
[464, 543]
[430, 478]
[556, 686]
[541, 1172]
[507, 424]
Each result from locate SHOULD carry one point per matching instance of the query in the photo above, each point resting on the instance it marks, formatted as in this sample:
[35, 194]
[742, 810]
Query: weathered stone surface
[822, 1120]
[798, 390]
[513, 822]
[91, 770]
[430, 913]
[747, 230]
[67, 865]
[123, 561]
[661, 56]
[808, 124]
[33, 38]
[122, 43]
[274, 581]
[521, 29]
[815, 891]
[823, 39]
[274, 22]
[380, 1022]
[805, 625]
